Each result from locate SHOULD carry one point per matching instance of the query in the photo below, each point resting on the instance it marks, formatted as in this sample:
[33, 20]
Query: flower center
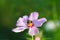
[29, 23]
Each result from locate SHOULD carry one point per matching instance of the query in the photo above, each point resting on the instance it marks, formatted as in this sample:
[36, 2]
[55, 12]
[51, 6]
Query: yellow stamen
[30, 24]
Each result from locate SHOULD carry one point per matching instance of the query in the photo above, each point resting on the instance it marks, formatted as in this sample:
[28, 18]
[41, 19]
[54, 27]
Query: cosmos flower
[31, 23]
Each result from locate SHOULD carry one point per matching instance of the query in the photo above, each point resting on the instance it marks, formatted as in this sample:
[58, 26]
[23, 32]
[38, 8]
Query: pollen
[29, 23]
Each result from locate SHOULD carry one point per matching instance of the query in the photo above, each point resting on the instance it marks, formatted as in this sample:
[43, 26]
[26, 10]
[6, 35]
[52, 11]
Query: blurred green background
[11, 10]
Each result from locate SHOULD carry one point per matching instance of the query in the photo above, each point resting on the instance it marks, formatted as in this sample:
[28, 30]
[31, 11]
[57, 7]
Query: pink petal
[42, 20]
[33, 16]
[33, 31]
[20, 22]
[18, 29]
[37, 38]
[39, 22]
[25, 19]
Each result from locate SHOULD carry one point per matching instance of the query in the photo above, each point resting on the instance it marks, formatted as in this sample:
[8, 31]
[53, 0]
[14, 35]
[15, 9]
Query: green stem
[32, 37]
[54, 10]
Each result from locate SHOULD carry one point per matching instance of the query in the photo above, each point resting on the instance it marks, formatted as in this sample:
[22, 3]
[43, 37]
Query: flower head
[37, 38]
[31, 23]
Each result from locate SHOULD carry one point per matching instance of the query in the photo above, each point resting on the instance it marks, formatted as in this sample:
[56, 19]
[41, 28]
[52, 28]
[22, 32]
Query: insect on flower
[31, 23]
